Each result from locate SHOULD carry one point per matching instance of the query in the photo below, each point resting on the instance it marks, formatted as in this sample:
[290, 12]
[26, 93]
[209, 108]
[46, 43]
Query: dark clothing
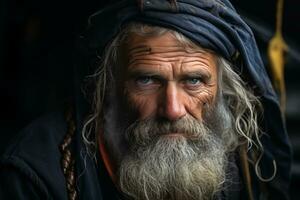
[31, 167]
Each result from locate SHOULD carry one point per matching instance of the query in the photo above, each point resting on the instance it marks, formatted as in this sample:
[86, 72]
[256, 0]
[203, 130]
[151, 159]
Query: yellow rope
[277, 48]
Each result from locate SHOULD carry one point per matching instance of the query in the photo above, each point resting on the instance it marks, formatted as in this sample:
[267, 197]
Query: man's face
[165, 80]
[172, 153]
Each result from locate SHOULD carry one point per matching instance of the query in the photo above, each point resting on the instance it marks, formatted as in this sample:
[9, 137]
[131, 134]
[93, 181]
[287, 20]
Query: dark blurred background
[36, 52]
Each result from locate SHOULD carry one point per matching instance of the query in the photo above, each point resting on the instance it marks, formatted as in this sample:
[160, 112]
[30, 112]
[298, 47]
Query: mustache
[145, 131]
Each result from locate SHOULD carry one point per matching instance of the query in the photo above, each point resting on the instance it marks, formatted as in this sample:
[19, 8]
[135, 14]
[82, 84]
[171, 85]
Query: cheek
[144, 105]
[197, 102]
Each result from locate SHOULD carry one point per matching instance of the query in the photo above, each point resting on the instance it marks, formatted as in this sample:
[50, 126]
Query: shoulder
[35, 154]
[40, 140]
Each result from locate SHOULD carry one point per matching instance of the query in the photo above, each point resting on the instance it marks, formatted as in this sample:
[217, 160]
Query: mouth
[180, 135]
[174, 135]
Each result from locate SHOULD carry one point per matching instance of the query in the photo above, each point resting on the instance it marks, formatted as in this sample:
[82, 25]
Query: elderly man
[182, 108]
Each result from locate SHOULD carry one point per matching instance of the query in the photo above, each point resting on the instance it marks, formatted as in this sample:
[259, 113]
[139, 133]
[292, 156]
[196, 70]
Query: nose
[172, 106]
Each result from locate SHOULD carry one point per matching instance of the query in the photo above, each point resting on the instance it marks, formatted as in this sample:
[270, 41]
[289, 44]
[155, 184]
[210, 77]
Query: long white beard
[159, 166]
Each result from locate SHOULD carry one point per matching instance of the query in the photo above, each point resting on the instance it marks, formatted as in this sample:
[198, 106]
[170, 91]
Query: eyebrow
[205, 75]
[134, 73]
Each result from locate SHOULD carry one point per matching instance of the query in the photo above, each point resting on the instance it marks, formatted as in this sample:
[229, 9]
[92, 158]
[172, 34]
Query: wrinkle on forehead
[162, 53]
[163, 48]
[187, 59]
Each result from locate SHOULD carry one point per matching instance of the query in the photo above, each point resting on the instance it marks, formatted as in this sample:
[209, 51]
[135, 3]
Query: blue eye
[193, 81]
[144, 80]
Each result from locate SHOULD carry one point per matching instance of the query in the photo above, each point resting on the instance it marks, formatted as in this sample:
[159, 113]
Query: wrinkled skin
[166, 80]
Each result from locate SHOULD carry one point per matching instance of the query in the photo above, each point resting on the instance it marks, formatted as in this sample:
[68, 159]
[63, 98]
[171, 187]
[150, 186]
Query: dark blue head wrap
[213, 24]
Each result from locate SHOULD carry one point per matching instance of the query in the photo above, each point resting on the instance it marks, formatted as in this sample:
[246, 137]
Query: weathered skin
[164, 79]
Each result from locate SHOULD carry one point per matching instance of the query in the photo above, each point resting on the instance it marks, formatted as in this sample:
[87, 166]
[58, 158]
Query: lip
[174, 135]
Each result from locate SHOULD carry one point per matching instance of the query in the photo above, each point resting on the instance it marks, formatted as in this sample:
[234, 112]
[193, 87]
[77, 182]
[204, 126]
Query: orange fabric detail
[105, 157]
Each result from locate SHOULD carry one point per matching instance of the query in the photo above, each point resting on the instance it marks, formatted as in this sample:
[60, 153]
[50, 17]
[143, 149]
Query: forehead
[165, 48]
